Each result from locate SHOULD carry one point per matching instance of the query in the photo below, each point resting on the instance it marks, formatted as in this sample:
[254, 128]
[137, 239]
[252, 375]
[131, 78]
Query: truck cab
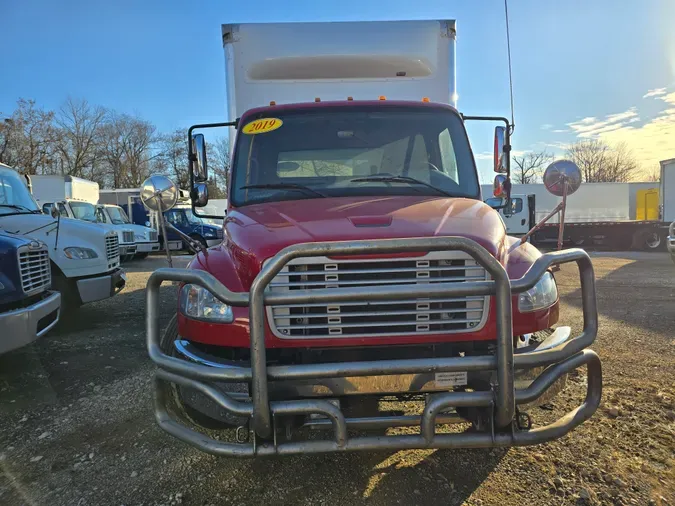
[184, 219]
[359, 264]
[86, 211]
[146, 239]
[84, 256]
[520, 218]
[28, 307]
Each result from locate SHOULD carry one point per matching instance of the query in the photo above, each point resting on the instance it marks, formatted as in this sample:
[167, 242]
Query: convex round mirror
[159, 191]
[561, 174]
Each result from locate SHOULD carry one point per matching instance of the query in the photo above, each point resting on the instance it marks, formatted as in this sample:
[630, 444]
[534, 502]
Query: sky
[581, 69]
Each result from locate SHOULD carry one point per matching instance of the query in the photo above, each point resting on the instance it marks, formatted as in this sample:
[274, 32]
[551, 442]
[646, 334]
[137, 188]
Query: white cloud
[592, 127]
[650, 140]
[546, 126]
[483, 156]
[560, 131]
[657, 92]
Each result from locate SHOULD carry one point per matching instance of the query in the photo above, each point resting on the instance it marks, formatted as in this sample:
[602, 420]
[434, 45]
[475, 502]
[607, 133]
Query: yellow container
[647, 205]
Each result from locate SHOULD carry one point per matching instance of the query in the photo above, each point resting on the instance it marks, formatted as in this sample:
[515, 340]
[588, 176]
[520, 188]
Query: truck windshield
[355, 151]
[83, 211]
[117, 215]
[14, 195]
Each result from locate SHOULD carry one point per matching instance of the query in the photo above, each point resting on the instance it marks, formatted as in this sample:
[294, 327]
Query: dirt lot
[76, 426]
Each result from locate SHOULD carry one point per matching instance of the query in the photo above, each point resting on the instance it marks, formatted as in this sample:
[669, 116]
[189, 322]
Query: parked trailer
[628, 215]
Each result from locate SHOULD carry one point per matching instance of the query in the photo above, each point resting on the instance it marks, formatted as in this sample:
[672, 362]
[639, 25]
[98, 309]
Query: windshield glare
[14, 192]
[83, 211]
[117, 215]
[325, 151]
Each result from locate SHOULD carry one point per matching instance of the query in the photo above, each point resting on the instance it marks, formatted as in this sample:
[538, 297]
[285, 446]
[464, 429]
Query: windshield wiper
[21, 208]
[284, 186]
[399, 179]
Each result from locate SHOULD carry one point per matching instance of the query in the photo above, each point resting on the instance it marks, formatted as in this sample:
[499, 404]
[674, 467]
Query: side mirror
[54, 212]
[200, 194]
[499, 153]
[499, 186]
[198, 164]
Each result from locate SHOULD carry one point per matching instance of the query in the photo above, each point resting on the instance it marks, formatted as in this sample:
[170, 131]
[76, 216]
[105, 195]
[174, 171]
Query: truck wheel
[174, 396]
[653, 240]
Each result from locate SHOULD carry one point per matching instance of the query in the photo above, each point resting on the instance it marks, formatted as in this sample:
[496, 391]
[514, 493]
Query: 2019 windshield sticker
[262, 126]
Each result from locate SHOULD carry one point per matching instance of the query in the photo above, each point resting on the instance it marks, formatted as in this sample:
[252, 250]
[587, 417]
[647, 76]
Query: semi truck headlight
[197, 302]
[542, 295]
[75, 253]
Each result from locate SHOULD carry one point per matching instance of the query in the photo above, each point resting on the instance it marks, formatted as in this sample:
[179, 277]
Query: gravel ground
[76, 426]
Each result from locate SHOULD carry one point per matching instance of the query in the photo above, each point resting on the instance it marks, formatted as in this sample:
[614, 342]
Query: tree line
[121, 150]
[598, 161]
[92, 142]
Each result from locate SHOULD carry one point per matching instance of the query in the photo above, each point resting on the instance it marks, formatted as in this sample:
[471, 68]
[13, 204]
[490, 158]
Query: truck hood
[257, 232]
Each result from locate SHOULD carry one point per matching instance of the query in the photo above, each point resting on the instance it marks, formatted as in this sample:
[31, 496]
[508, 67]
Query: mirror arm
[193, 157]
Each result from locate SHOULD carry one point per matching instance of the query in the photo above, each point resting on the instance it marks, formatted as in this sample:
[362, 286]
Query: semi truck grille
[112, 248]
[378, 318]
[127, 236]
[35, 270]
[153, 236]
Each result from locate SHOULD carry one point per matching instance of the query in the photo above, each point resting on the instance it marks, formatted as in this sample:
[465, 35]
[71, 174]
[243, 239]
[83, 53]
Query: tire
[175, 402]
[653, 240]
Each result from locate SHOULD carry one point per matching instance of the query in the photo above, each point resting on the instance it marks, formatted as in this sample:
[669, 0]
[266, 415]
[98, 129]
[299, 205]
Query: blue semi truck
[206, 232]
[28, 308]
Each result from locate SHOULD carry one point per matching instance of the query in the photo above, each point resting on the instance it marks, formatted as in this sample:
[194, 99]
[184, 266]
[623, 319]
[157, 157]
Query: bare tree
[27, 138]
[219, 166]
[653, 176]
[126, 144]
[78, 137]
[601, 163]
[530, 167]
[172, 158]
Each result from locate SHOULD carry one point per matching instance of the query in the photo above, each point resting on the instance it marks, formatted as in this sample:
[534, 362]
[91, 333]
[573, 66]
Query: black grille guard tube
[504, 395]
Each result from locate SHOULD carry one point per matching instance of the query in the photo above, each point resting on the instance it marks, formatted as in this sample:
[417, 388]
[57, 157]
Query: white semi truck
[633, 214]
[77, 198]
[84, 257]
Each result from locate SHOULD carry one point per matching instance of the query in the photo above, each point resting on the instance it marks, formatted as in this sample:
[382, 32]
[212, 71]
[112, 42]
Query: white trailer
[634, 214]
[300, 62]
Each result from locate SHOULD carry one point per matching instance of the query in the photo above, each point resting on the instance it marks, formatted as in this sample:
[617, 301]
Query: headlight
[209, 233]
[197, 302]
[542, 295]
[76, 253]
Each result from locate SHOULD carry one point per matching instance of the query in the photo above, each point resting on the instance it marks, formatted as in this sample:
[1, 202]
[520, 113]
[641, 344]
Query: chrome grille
[112, 248]
[127, 236]
[378, 318]
[35, 269]
[152, 235]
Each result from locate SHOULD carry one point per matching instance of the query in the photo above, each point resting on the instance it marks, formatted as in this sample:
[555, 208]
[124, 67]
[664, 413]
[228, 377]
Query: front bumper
[101, 287]
[21, 327]
[499, 400]
[127, 250]
[147, 247]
